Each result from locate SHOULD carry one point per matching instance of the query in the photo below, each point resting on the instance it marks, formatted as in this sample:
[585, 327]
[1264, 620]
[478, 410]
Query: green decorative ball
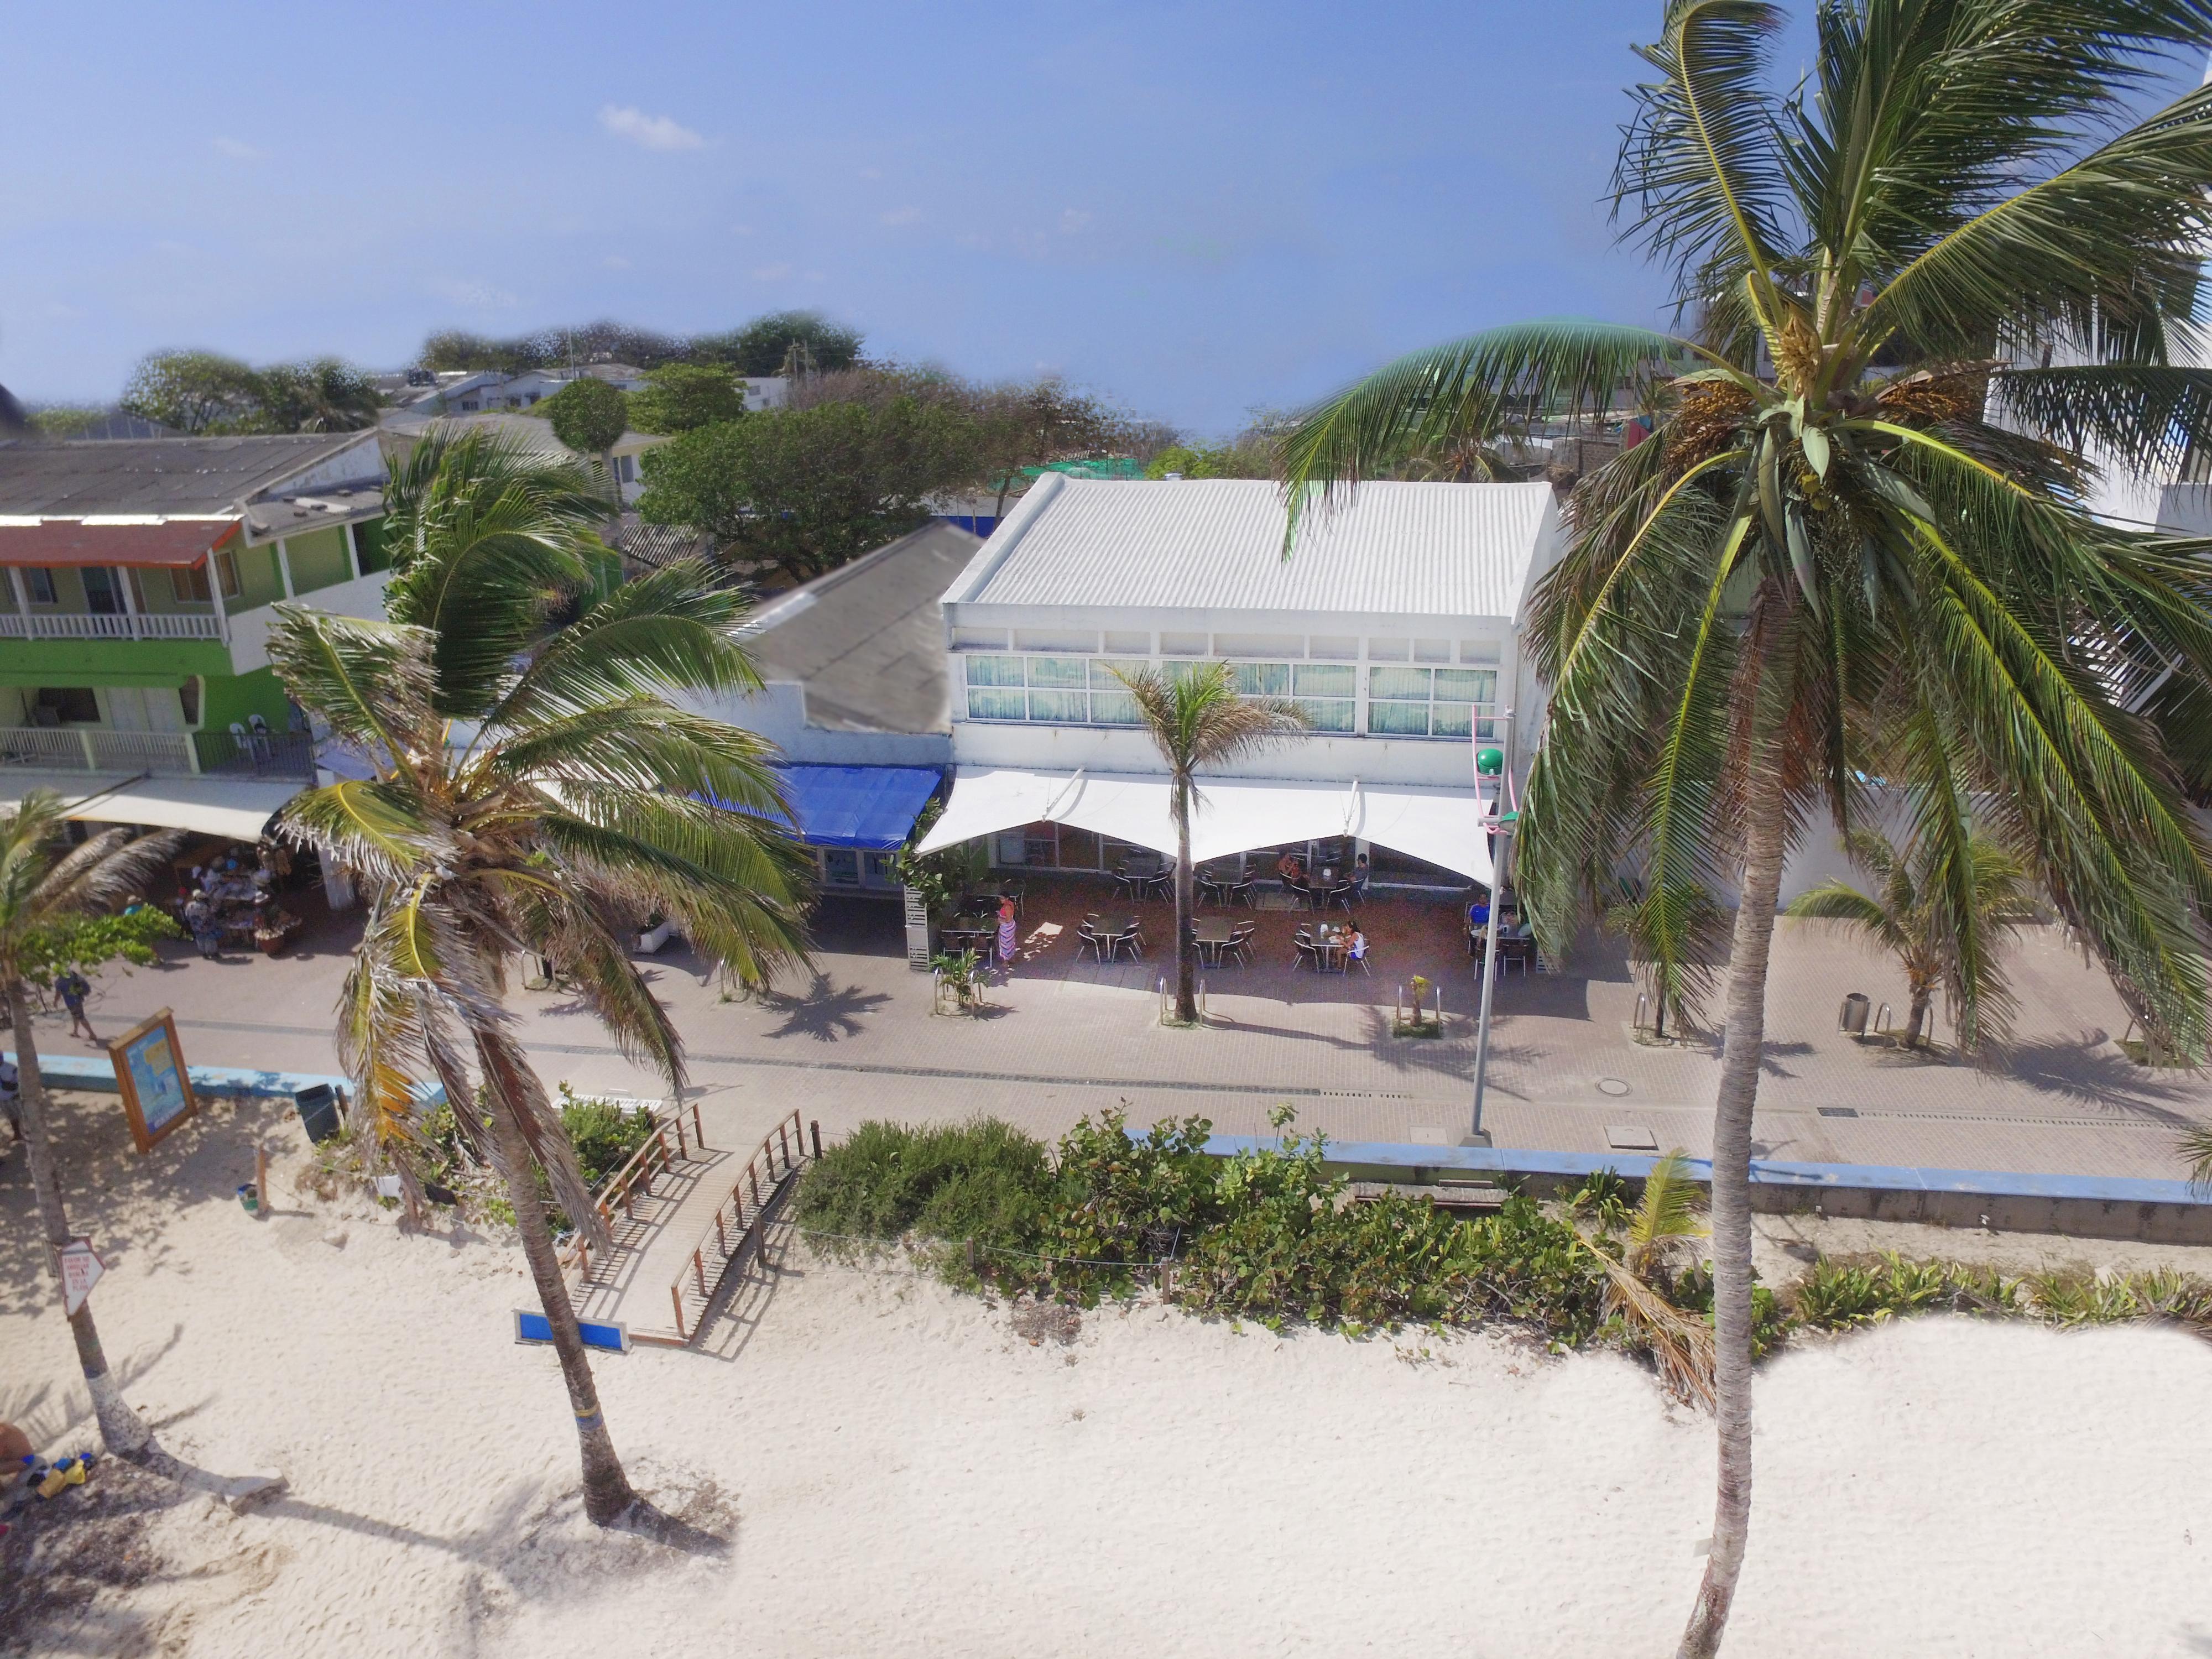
[1489, 762]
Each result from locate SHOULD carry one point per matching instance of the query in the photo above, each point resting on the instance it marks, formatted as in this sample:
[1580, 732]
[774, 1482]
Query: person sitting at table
[1355, 949]
[1478, 915]
[1292, 868]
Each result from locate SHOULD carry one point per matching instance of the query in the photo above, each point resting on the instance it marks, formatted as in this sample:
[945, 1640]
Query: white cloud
[905, 216]
[649, 131]
[771, 273]
[1073, 220]
[238, 151]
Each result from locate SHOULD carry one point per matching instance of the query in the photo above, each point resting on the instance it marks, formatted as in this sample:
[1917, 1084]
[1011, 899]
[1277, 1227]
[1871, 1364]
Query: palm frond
[1667, 1211]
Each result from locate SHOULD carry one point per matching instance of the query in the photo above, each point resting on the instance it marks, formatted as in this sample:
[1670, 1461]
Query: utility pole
[1503, 839]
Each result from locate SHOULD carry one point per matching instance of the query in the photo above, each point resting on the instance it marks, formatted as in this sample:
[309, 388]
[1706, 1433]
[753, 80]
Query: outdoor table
[1334, 942]
[973, 927]
[1114, 927]
[1211, 934]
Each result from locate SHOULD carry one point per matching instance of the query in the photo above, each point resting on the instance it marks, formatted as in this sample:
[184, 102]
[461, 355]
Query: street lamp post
[1476, 1134]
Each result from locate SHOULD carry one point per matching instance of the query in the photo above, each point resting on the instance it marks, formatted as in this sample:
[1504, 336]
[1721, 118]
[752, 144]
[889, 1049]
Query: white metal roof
[1446, 549]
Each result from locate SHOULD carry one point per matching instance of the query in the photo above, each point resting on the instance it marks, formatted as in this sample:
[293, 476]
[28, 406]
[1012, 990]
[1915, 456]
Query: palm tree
[1861, 515]
[42, 882]
[532, 793]
[1680, 1344]
[1910, 919]
[1197, 718]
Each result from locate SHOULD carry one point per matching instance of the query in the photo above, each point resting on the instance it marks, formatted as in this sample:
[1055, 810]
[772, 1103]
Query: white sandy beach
[897, 1472]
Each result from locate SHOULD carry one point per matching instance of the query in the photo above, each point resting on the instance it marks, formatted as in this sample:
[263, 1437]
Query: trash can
[318, 1110]
[1851, 1017]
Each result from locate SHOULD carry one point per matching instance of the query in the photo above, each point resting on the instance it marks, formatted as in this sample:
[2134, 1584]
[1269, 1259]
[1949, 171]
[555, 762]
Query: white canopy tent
[1442, 827]
[237, 808]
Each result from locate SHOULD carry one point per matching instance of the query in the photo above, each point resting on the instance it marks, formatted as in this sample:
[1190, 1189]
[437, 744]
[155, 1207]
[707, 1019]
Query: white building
[1394, 622]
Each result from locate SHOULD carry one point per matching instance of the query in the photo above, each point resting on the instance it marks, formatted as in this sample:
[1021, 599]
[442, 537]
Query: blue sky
[1196, 209]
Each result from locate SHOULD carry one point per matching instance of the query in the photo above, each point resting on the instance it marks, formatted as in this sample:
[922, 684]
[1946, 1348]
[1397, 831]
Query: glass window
[1263, 680]
[991, 704]
[993, 670]
[1066, 707]
[1104, 678]
[1059, 671]
[1471, 685]
[1331, 715]
[1113, 708]
[39, 583]
[1398, 684]
[1398, 720]
[190, 586]
[1314, 681]
[841, 866]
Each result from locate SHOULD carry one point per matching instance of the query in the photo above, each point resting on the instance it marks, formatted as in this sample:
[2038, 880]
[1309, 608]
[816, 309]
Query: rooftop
[867, 640]
[1398, 549]
[534, 430]
[183, 476]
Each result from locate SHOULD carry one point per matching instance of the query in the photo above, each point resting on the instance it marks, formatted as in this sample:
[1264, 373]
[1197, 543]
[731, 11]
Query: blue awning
[867, 807]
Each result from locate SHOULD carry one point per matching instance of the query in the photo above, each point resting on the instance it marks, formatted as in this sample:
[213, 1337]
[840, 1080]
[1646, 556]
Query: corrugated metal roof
[1420, 549]
[158, 475]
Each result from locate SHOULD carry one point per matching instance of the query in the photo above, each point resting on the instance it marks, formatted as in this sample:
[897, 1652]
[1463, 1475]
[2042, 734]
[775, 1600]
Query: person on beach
[73, 988]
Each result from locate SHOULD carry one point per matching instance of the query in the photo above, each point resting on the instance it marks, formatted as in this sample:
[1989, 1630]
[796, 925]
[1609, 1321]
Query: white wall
[778, 713]
[249, 629]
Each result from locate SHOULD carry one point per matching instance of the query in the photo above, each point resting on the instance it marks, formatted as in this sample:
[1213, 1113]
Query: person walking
[73, 988]
[1005, 930]
[199, 919]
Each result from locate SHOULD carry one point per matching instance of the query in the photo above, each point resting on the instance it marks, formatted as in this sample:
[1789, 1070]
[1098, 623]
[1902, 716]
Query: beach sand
[872, 1463]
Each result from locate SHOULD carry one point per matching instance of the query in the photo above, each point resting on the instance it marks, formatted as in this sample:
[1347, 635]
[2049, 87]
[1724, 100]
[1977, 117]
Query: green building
[140, 576]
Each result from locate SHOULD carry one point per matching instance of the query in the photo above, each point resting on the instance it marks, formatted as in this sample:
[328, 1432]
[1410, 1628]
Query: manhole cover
[1611, 1085]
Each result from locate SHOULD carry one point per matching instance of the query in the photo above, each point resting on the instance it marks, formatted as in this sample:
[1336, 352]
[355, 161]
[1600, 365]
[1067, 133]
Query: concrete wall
[362, 596]
[778, 713]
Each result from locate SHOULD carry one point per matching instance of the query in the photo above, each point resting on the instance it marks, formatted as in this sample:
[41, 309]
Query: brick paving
[1065, 1036]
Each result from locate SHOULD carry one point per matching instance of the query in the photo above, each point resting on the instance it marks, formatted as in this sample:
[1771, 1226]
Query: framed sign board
[157, 1092]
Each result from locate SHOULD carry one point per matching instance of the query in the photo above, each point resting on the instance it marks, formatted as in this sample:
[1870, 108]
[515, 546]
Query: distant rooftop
[1400, 548]
[867, 640]
[183, 476]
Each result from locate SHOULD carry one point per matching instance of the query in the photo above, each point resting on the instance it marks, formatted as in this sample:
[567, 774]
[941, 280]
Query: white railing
[80, 625]
[85, 749]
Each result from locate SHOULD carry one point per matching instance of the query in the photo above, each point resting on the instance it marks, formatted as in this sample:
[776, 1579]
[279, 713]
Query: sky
[1197, 209]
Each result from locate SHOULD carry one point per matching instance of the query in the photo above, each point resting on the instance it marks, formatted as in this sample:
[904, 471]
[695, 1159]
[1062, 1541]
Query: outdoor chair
[1357, 952]
[1346, 893]
[1240, 941]
[1132, 936]
[1306, 947]
[1086, 936]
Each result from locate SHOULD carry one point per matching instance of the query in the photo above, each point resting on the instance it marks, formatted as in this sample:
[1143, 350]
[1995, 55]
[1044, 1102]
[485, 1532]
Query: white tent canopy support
[1442, 827]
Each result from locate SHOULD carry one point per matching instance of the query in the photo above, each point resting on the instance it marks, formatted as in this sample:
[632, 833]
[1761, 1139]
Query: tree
[766, 346]
[1197, 718]
[1910, 920]
[325, 395]
[1858, 524]
[590, 417]
[203, 392]
[584, 800]
[1023, 426]
[1235, 460]
[47, 889]
[193, 392]
[682, 398]
[809, 489]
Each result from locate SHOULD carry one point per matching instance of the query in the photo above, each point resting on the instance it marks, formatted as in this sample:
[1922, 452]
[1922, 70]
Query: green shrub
[603, 1133]
[984, 1179]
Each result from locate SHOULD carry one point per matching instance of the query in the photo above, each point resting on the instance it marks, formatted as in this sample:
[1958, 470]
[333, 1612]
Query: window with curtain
[1431, 703]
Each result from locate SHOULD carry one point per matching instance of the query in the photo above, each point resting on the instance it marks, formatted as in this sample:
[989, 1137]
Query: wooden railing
[737, 1222]
[621, 1190]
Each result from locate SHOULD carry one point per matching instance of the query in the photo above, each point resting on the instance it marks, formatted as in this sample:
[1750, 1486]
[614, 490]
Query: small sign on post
[81, 1270]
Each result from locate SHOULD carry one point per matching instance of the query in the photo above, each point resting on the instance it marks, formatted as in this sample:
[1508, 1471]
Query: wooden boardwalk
[700, 1217]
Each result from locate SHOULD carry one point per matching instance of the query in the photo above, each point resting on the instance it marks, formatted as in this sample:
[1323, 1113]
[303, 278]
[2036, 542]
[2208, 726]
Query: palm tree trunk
[1731, 1215]
[121, 1428]
[1186, 940]
[1917, 1016]
[607, 1491]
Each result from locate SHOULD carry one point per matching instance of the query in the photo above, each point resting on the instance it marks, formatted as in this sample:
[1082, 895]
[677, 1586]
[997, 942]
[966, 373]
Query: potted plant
[653, 935]
[964, 976]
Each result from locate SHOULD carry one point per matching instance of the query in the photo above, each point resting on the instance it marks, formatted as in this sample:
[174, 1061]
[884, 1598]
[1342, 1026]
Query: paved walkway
[1065, 1037]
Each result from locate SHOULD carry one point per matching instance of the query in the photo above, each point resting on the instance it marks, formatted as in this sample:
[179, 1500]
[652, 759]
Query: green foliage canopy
[203, 391]
[809, 489]
[682, 398]
[588, 415]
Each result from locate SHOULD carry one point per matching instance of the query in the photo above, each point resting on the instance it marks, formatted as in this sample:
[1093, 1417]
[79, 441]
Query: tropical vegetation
[1272, 1236]
[1196, 717]
[204, 392]
[1935, 285]
[1908, 915]
[52, 896]
[531, 789]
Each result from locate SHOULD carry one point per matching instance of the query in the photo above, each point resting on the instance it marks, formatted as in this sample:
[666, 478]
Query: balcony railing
[79, 625]
[286, 754]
